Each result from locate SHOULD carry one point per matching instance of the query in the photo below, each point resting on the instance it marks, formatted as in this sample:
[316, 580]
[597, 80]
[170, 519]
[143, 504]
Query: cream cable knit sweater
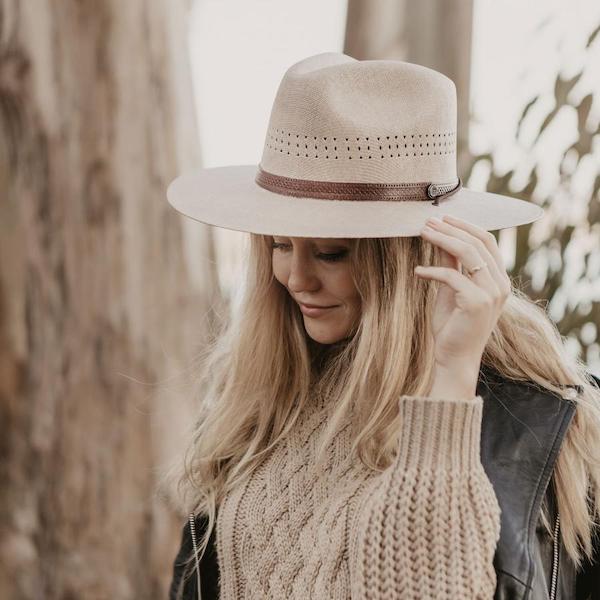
[426, 527]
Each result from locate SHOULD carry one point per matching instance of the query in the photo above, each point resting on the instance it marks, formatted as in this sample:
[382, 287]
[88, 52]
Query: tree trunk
[96, 306]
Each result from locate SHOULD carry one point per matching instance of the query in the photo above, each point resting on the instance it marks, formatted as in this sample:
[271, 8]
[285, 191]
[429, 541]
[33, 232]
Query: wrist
[459, 383]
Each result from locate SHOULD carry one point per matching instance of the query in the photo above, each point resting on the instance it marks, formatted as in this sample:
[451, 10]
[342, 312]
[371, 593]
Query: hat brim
[229, 197]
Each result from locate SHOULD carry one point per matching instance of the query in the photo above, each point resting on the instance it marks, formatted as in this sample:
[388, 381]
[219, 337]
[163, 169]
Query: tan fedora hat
[353, 149]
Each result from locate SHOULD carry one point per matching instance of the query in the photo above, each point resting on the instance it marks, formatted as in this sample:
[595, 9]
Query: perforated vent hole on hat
[436, 144]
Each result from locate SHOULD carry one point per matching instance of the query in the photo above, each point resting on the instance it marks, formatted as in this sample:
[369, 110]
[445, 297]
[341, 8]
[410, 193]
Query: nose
[302, 276]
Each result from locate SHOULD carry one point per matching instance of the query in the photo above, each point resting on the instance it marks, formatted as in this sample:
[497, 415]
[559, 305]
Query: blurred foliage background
[559, 265]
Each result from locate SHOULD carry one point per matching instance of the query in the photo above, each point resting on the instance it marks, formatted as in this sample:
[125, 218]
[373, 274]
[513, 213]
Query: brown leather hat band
[333, 190]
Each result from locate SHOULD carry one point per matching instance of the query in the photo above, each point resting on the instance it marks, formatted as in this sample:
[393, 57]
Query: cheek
[354, 304]
[346, 288]
[279, 270]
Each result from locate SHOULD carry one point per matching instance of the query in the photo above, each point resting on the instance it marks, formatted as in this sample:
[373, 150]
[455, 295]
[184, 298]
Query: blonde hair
[260, 368]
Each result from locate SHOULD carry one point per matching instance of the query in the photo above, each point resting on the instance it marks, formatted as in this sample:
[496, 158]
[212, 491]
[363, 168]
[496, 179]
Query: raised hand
[467, 306]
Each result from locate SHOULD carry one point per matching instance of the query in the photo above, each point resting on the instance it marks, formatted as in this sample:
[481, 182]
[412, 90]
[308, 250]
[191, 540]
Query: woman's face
[316, 271]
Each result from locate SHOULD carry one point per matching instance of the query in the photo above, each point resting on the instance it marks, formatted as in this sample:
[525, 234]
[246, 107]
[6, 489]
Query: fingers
[468, 254]
[470, 296]
[481, 247]
[488, 240]
[448, 260]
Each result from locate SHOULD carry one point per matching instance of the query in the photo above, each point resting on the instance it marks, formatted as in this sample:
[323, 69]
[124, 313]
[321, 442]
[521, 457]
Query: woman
[404, 437]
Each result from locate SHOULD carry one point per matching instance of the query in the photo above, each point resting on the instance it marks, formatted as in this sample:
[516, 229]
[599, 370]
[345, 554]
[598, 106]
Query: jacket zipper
[555, 550]
[192, 519]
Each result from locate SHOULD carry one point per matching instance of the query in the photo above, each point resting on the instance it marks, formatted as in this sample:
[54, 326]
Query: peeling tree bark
[96, 118]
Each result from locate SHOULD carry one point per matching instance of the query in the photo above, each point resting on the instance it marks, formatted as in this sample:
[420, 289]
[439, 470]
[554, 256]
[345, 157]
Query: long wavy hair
[259, 368]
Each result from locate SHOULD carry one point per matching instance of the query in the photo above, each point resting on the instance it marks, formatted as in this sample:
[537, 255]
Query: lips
[315, 312]
[314, 305]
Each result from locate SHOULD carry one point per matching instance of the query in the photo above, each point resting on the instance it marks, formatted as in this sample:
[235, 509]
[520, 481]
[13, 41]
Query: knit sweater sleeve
[429, 526]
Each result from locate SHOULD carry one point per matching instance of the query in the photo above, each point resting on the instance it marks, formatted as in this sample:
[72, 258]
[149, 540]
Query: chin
[324, 337]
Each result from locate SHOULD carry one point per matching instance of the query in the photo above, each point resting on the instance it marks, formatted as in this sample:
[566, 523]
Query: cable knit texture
[425, 528]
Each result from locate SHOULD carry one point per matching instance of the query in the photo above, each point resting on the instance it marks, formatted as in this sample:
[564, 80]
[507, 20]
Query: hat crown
[335, 118]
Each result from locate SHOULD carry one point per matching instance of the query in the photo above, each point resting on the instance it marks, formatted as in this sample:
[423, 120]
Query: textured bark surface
[433, 33]
[96, 307]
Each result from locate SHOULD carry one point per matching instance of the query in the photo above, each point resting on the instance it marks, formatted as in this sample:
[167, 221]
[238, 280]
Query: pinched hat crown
[336, 119]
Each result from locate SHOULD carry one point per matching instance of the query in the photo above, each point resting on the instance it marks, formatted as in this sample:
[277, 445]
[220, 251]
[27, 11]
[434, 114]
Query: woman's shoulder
[491, 378]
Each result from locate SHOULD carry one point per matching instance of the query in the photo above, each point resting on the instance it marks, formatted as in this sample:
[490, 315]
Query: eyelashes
[328, 257]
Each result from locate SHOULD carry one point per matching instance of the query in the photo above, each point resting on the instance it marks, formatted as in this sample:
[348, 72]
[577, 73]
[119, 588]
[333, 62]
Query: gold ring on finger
[475, 269]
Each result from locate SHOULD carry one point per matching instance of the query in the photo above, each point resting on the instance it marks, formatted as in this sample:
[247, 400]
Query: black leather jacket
[521, 433]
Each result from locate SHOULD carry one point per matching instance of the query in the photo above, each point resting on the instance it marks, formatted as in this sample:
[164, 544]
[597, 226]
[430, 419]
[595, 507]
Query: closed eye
[326, 256]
